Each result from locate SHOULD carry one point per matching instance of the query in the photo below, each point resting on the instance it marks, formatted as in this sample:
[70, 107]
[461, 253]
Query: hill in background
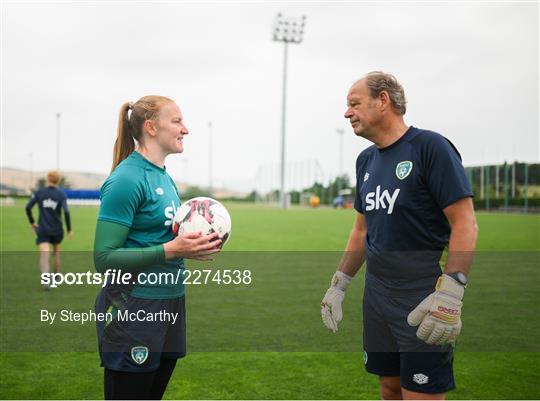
[15, 181]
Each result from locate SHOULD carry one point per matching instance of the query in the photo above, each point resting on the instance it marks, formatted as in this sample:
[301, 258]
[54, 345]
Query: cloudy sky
[470, 71]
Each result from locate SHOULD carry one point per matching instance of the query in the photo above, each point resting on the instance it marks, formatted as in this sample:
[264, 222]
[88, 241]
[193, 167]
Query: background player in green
[413, 199]
[133, 233]
[51, 201]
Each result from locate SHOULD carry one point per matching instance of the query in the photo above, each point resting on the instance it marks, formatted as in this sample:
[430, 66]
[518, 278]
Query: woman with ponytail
[144, 334]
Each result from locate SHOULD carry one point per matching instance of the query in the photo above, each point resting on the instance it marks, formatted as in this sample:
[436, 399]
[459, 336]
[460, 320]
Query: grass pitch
[500, 290]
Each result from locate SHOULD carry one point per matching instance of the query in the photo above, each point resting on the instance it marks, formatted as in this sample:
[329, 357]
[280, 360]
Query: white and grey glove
[439, 314]
[331, 311]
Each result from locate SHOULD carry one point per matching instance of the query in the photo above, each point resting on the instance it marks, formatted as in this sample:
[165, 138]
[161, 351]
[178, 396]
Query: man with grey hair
[413, 200]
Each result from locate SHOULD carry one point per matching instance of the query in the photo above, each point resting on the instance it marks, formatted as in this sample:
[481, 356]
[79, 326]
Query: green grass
[501, 314]
[265, 375]
[263, 228]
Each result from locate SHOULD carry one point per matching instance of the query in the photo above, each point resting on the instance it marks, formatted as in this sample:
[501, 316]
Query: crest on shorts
[403, 169]
[139, 354]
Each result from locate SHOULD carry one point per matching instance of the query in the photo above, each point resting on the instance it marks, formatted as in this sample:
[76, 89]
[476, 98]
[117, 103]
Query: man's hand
[439, 315]
[331, 304]
[34, 227]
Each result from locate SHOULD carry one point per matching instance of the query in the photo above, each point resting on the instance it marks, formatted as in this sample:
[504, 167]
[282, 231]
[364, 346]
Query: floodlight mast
[286, 30]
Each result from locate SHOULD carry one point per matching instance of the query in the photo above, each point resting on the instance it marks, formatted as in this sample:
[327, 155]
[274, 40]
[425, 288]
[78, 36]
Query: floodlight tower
[286, 30]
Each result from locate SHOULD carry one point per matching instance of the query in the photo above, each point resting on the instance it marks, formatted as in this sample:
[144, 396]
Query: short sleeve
[444, 172]
[121, 196]
[360, 173]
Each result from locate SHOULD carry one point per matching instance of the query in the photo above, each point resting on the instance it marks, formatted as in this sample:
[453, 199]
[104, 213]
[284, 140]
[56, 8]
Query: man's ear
[385, 100]
[150, 127]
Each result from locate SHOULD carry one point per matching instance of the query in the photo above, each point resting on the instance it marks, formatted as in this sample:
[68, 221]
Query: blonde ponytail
[124, 144]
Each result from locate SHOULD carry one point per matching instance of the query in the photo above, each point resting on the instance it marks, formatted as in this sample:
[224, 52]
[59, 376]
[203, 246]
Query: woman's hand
[193, 246]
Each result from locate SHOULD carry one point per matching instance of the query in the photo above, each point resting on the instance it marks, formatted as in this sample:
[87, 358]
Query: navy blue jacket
[51, 201]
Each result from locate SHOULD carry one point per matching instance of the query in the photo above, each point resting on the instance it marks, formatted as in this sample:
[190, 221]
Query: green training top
[143, 198]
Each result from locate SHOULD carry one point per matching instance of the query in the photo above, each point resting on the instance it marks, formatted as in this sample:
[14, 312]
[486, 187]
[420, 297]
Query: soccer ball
[205, 215]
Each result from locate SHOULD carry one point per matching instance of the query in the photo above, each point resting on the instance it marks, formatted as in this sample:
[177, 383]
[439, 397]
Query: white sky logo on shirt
[169, 213]
[49, 203]
[377, 200]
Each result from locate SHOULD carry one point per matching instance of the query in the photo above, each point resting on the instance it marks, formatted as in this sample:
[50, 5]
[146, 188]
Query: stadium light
[286, 30]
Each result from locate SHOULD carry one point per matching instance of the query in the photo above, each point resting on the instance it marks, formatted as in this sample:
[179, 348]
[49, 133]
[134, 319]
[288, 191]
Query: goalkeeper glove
[331, 304]
[439, 314]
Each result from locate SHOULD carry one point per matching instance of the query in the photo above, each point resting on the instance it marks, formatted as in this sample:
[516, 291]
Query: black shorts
[54, 239]
[141, 332]
[392, 348]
